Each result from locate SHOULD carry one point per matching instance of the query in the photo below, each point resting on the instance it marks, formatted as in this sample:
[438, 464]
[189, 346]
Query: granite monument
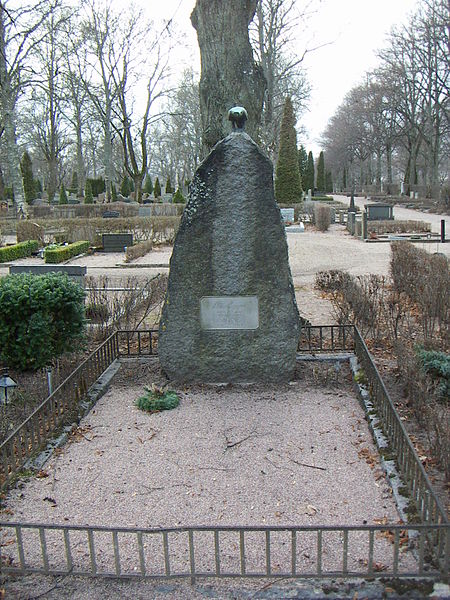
[230, 313]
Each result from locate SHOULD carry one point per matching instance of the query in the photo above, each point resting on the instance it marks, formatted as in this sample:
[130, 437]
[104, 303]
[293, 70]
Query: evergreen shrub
[88, 195]
[156, 400]
[288, 186]
[178, 197]
[57, 254]
[19, 250]
[41, 317]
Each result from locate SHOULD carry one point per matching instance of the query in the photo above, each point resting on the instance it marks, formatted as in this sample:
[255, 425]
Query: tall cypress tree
[302, 162]
[29, 187]
[328, 182]
[148, 185]
[169, 188]
[288, 185]
[320, 184]
[309, 178]
[88, 196]
[157, 188]
[62, 195]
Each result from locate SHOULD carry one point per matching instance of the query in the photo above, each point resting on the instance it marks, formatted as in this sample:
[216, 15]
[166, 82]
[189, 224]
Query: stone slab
[229, 312]
[75, 272]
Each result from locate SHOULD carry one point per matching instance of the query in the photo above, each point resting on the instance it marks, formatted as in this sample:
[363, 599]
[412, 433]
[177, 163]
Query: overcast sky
[354, 28]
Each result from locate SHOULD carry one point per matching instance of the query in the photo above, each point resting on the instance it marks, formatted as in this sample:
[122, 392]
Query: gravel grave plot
[252, 455]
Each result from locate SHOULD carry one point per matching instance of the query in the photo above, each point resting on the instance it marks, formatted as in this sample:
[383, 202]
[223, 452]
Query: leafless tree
[229, 74]
[21, 32]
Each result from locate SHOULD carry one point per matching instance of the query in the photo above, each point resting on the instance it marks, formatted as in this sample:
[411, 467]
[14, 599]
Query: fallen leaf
[41, 474]
[51, 500]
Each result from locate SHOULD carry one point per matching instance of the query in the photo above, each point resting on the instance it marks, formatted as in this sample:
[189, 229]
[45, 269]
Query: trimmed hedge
[61, 253]
[19, 250]
[138, 250]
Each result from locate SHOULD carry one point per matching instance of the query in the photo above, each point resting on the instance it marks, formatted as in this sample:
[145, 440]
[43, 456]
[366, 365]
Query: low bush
[160, 229]
[19, 250]
[41, 317]
[27, 230]
[138, 250]
[157, 399]
[424, 278]
[56, 254]
[137, 301]
[437, 366]
[381, 227]
[322, 199]
[322, 217]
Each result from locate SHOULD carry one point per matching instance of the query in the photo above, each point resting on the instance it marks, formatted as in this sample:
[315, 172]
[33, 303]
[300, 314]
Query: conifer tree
[288, 186]
[148, 185]
[169, 188]
[63, 195]
[88, 197]
[302, 162]
[113, 192]
[26, 168]
[126, 187]
[320, 184]
[157, 188]
[74, 182]
[309, 178]
[178, 197]
[328, 182]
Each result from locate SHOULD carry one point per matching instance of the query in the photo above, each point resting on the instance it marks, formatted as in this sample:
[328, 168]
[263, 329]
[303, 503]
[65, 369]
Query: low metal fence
[201, 552]
[429, 508]
[58, 409]
[326, 338]
[141, 342]
[430, 539]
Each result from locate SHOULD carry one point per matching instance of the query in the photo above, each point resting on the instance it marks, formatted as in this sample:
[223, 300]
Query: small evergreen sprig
[157, 399]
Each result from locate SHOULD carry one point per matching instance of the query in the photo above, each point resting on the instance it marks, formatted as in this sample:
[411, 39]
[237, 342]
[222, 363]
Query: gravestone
[116, 242]
[144, 211]
[287, 214]
[379, 212]
[230, 313]
[75, 272]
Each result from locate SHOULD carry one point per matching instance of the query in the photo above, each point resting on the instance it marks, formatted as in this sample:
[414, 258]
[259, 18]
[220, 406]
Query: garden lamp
[6, 383]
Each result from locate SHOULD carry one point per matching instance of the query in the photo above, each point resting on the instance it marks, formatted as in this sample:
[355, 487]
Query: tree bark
[229, 74]
[7, 109]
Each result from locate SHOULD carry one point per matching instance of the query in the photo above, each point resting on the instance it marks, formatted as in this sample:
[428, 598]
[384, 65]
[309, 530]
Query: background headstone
[287, 214]
[230, 311]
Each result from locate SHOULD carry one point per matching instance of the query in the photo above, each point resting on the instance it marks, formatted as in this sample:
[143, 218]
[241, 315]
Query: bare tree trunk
[229, 74]
[7, 108]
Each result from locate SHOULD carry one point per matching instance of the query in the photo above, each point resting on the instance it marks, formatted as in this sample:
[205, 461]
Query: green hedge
[61, 253]
[19, 250]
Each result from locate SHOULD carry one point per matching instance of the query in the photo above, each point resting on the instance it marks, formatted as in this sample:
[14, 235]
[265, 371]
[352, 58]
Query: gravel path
[251, 455]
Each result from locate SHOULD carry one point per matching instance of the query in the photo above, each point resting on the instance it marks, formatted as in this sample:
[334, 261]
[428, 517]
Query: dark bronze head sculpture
[238, 115]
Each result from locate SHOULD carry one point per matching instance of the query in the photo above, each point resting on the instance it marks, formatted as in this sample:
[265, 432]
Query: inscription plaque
[229, 312]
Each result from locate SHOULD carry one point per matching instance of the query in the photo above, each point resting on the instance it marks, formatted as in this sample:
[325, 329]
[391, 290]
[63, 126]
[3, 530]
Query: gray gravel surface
[295, 454]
